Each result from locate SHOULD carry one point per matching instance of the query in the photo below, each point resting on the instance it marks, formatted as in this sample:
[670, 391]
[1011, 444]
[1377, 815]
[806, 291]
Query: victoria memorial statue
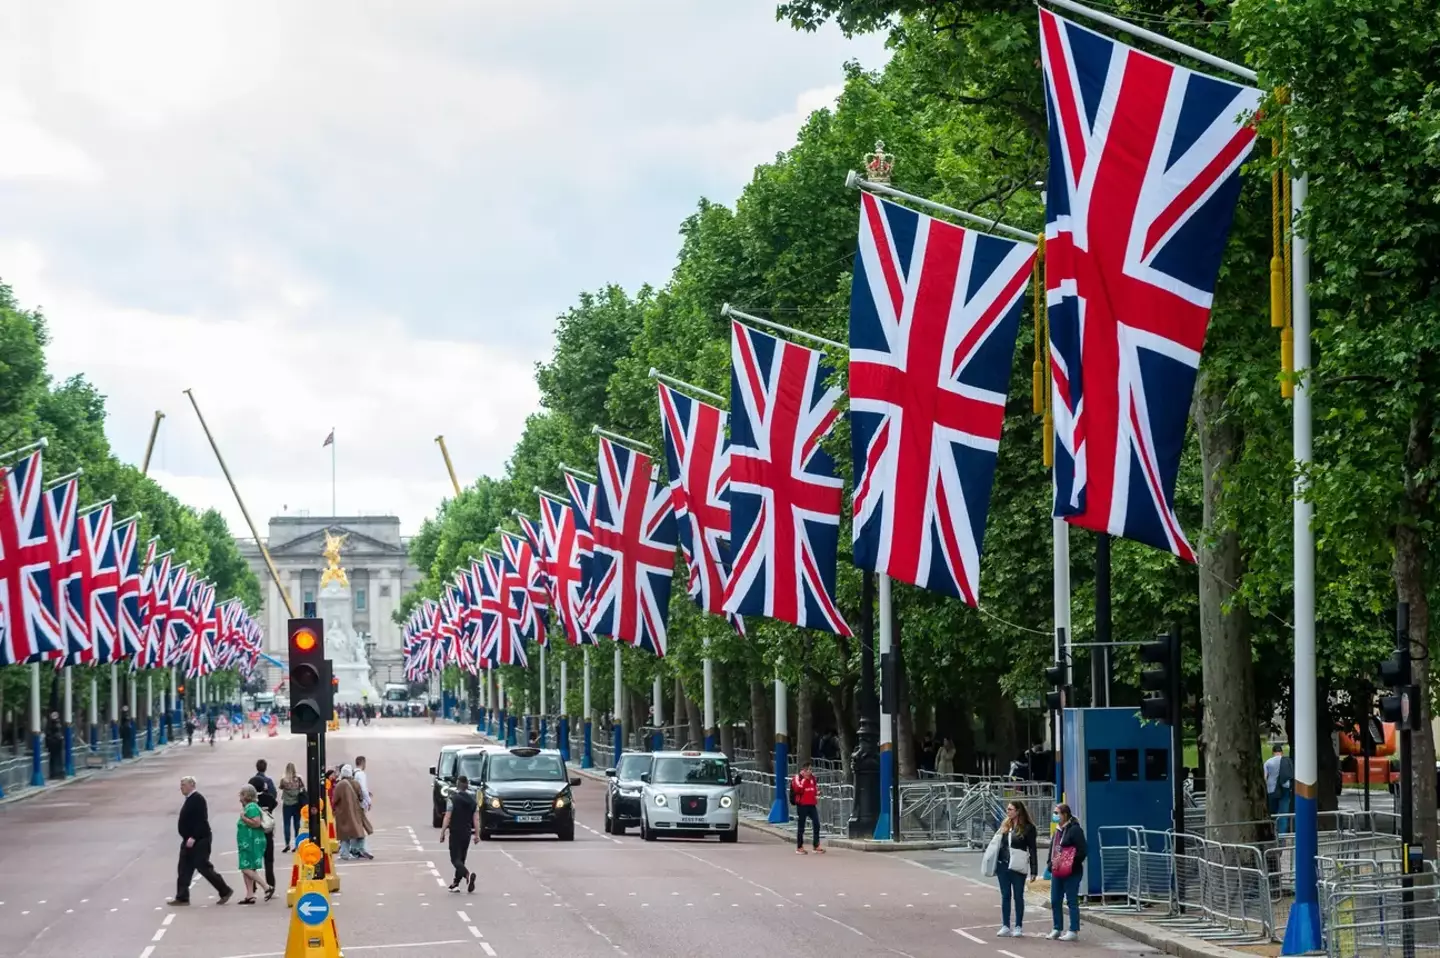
[343, 647]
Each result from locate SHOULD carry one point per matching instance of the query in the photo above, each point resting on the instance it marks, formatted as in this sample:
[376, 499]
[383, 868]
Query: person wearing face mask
[1067, 865]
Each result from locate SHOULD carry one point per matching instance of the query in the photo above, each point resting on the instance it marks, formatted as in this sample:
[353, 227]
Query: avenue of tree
[960, 107]
[71, 415]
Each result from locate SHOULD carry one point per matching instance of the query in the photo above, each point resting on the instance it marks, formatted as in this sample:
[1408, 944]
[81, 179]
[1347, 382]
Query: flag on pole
[29, 622]
[934, 311]
[329, 440]
[1144, 174]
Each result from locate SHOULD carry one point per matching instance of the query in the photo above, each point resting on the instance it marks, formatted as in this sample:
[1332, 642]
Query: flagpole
[730, 312]
[587, 755]
[333, 511]
[853, 180]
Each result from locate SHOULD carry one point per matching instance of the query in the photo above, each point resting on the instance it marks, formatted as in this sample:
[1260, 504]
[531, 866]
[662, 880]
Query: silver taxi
[690, 793]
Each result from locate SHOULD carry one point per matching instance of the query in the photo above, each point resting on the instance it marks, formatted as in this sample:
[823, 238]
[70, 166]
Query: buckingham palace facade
[375, 557]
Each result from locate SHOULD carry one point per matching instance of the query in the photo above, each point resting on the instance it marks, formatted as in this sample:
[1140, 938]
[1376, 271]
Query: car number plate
[693, 819]
[529, 818]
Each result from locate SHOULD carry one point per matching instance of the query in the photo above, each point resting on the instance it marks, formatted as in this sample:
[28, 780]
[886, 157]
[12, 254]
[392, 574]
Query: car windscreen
[631, 767]
[447, 764]
[525, 768]
[691, 771]
[470, 767]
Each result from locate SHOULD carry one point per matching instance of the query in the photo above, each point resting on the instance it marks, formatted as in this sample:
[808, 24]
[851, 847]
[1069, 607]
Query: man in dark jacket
[195, 838]
[462, 824]
[805, 795]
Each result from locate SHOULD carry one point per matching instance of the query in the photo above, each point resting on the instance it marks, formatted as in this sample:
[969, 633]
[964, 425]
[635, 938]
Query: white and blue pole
[780, 808]
[69, 716]
[710, 743]
[544, 715]
[657, 737]
[149, 712]
[37, 766]
[587, 753]
[564, 720]
[619, 725]
[92, 712]
[115, 708]
[887, 718]
[1302, 929]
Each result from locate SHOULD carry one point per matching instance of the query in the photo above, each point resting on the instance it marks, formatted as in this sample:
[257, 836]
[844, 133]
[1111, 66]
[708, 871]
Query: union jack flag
[491, 621]
[538, 577]
[934, 311]
[146, 602]
[582, 507]
[131, 627]
[200, 655]
[97, 545]
[697, 459]
[1144, 175]
[506, 646]
[563, 545]
[467, 650]
[634, 558]
[784, 494]
[29, 617]
[179, 626]
[156, 627]
[68, 569]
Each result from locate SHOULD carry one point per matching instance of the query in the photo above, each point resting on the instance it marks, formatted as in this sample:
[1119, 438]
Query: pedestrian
[1067, 865]
[462, 824]
[260, 781]
[945, 759]
[1018, 858]
[1279, 780]
[189, 730]
[268, 803]
[210, 728]
[195, 839]
[292, 793]
[55, 745]
[350, 821]
[362, 785]
[250, 845]
[804, 794]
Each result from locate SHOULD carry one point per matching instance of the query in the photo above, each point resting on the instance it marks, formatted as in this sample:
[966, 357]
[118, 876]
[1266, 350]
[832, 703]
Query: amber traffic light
[308, 694]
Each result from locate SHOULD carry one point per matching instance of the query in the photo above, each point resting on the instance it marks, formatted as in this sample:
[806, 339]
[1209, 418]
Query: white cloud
[364, 216]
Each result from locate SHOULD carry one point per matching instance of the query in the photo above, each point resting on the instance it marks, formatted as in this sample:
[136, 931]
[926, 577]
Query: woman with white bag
[1016, 857]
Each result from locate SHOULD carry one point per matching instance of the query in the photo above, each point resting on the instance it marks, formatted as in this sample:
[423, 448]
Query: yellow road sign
[312, 924]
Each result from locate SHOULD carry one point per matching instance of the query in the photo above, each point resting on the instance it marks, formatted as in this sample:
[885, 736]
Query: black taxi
[526, 791]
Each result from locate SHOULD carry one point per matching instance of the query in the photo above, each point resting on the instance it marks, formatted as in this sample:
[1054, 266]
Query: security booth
[1117, 775]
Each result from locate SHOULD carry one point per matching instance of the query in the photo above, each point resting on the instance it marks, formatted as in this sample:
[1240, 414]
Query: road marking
[475, 931]
[349, 948]
[463, 917]
[158, 935]
[149, 950]
[168, 919]
[488, 950]
[965, 934]
[1007, 954]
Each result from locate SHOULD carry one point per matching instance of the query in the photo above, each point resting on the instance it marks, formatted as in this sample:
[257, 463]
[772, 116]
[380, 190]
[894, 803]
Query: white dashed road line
[965, 934]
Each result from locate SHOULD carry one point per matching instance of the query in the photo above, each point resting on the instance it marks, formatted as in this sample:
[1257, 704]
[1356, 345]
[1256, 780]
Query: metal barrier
[1367, 914]
[967, 809]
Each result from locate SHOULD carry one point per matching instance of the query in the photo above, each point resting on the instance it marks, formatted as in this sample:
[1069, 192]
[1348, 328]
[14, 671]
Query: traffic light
[1162, 681]
[308, 693]
[1402, 707]
[1059, 692]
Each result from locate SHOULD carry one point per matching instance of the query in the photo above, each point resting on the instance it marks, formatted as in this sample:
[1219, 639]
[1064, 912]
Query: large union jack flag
[513, 599]
[157, 622]
[179, 625]
[102, 574]
[582, 507]
[537, 577]
[634, 559]
[557, 523]
[127, 562]
[1144, 175]
[784, 493]
[29, 617]
[934, 311]
[697, 459]
[62, 502]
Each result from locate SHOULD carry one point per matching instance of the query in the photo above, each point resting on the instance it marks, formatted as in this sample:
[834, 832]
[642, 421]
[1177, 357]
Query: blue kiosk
[1117, 772]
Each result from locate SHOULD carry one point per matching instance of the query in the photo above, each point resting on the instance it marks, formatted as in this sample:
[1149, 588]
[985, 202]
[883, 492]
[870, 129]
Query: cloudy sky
[364, 216]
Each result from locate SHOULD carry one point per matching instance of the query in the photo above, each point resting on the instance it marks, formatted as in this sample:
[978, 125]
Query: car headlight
[659, 798]
[560, 801]
[494, 803]
[726, 801]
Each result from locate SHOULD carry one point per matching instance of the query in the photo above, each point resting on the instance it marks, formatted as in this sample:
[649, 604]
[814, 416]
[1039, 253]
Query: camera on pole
[309, 691]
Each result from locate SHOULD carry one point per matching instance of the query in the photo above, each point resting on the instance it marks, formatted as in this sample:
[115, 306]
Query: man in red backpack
[804, 794]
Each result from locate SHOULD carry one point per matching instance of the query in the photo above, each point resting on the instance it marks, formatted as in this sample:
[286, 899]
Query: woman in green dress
[250, 843]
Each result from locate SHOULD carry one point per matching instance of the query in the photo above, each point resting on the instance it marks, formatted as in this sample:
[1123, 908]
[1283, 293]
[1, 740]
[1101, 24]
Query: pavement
[85, 871]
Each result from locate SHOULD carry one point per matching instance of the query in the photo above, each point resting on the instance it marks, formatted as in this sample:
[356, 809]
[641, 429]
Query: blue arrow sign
[312, 908]
[301, 839]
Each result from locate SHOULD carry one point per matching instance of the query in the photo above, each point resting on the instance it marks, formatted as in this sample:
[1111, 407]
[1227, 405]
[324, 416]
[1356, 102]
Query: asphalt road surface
[85, 871]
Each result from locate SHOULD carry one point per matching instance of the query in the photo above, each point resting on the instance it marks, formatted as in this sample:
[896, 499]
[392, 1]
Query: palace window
[309, 596]
[359, 600]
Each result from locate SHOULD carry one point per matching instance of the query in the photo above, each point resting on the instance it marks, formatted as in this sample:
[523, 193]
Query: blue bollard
[544, 733]
[780, 808]
[149, 734]
[587, 754]
[562, 731]
[619, 741]
[37, 767]
[887, 777]
[69, 751]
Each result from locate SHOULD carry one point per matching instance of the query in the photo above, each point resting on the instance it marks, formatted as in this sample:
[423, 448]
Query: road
[85, 871]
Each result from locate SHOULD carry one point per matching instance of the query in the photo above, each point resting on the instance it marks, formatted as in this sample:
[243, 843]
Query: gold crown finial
[879, 164]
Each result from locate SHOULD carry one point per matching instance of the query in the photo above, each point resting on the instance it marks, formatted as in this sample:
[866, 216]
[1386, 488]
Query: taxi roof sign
[525, 751]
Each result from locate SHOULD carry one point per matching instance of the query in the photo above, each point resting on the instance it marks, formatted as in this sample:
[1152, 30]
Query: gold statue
[333, 572]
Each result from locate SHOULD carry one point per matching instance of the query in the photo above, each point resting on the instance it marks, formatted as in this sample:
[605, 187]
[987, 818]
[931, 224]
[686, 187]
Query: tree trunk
[1234, 774]
[727, 738]
[762, 727]
[695, 717]
[804, 722]
[1412, 562]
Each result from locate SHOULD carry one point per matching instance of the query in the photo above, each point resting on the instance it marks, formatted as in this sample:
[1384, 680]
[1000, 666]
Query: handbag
[1062, 863]
[1019, 858]
[267, 822]
[992, 855]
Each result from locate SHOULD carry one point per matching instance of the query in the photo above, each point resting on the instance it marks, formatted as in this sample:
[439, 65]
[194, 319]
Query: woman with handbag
[268, 804]
[1067, 865]
[250, 844]
[1017, 858]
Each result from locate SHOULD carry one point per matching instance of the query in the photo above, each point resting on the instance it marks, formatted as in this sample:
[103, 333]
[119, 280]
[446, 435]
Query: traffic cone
[293, 891]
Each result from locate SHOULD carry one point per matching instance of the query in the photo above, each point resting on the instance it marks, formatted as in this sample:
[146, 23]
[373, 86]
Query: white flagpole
[333, 507]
